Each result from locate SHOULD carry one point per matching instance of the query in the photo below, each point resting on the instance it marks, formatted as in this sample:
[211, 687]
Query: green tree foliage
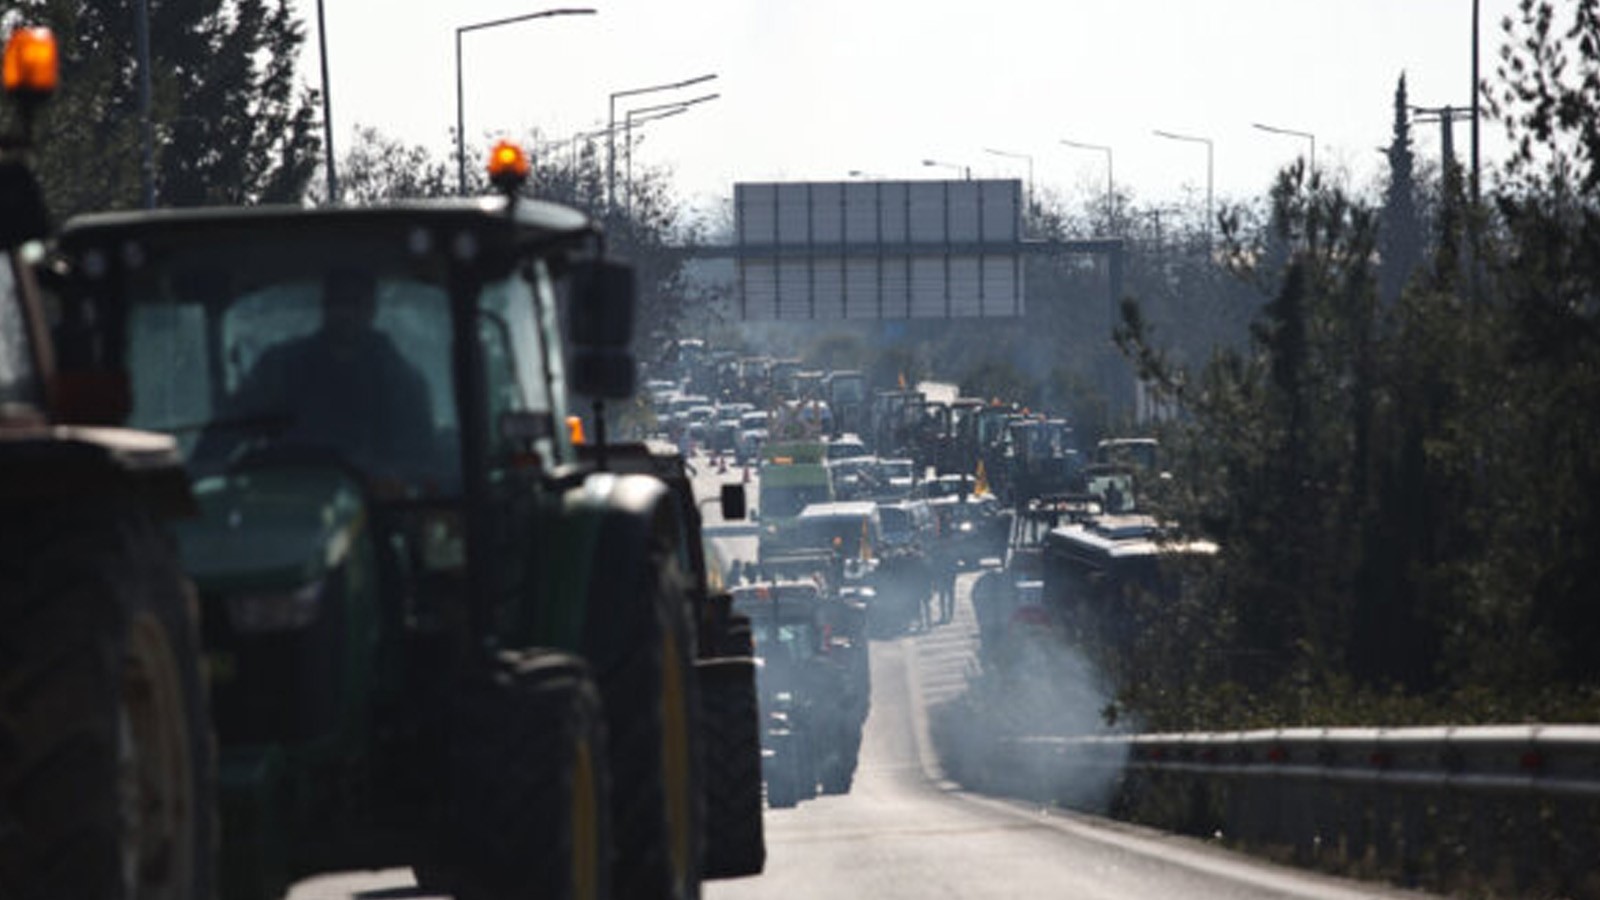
[645, 226]
[379, 168]
[1400, 243]
[229, 123]
[1407, 494]
[1539, 413]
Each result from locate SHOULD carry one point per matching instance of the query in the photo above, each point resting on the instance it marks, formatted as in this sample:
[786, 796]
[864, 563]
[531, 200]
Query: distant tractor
[846, 393]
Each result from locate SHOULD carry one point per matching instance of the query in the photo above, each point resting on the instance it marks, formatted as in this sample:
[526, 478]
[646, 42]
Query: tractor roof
[529, 222]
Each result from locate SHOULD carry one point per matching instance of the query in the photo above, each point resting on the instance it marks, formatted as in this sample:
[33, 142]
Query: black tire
[738, 641]
[731, 728]
[783, 777]
[107, 757]
[838, 776]
[527, 812]
[651, 711]
[837, 768]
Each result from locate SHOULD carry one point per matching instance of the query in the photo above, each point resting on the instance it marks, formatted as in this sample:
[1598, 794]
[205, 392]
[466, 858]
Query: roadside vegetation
[1402, 463]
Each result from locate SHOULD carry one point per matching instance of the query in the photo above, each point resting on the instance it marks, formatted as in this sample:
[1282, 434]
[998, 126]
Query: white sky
[811, 90]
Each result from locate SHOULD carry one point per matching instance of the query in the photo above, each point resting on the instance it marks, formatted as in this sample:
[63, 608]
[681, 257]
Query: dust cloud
[1005, 733]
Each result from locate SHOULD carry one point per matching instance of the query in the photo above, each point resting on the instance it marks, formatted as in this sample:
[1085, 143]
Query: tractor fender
[65, 462]
[615, 529]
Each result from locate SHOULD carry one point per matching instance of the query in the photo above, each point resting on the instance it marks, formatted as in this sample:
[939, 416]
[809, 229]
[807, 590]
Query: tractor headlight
[274, 611]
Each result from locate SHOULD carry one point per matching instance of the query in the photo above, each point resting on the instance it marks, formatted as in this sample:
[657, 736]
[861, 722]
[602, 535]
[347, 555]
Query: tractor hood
[270, 528]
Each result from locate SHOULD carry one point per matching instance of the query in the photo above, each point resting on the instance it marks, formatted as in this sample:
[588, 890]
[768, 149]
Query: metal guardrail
[1549, 760]
[1515, 808]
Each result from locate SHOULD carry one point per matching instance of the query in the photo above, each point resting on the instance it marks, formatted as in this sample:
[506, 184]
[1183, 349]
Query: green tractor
[438, 637]
[106, 756]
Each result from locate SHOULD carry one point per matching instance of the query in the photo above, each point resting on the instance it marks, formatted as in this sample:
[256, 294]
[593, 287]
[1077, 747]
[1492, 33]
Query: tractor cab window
[288, 349]
[521, 416]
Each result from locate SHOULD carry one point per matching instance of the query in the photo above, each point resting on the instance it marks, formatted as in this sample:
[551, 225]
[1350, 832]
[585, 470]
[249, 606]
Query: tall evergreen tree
[1400, 239]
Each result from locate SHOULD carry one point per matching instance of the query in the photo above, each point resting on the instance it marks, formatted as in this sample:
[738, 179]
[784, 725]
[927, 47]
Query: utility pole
[327, 106]
[1446, 116]
[1477, 89]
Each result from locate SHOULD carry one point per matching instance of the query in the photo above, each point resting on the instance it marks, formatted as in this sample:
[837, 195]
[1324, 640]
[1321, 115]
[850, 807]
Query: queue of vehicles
[1061, 539]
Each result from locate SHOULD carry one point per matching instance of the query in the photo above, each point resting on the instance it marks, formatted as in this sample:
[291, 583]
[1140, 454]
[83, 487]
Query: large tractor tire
[731, 727]
[651, 712]
[107, 757]
[528, 809]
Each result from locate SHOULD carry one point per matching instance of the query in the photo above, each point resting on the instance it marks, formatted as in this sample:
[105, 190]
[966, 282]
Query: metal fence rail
[1516, 808]
[1551, 760]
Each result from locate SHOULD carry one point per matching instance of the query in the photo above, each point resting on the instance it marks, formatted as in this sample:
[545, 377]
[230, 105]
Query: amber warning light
[508, 166]
[31, 65]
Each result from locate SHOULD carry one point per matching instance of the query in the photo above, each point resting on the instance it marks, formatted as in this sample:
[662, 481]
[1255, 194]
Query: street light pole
[327, 105]
[1022, 156]
[1110, 188]
[611, 128]
[1477, 90]
[461, 151]
[649, 114]
[1198, 140]
[1312, 159]
[966, 171]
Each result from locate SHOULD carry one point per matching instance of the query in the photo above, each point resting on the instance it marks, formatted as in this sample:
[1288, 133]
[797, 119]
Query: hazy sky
[811, 90]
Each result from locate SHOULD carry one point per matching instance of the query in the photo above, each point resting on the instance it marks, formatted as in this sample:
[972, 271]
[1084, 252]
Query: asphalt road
[905, 831]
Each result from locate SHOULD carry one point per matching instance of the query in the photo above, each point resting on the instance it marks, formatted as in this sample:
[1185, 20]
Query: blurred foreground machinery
[725, 671]
[107, 769]
[439, 637]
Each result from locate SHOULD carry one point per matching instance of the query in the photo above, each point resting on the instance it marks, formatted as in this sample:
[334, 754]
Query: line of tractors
[304, 568]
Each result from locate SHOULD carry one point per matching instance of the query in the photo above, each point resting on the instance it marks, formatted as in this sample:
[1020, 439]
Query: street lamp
[1197, 140]
[327, 105]
[1312, 158]
[650, 114]
[1023, 156]
[611, 127]
[461, 152]
[1110, 189]
[966, 171]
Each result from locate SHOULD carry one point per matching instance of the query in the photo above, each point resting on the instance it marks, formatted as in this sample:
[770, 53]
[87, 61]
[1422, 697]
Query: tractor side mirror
[602, 373]
[602, 304]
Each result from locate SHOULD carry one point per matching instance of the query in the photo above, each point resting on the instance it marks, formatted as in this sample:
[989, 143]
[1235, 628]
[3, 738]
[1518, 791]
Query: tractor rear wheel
[528, 809]
[107, 758]
[731, 724]
[651, 713]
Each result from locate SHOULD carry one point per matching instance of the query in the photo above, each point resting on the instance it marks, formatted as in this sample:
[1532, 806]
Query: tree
[648, 230]
[1408, 493]
[1400, 245]
[378, 167]
[229, 124]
